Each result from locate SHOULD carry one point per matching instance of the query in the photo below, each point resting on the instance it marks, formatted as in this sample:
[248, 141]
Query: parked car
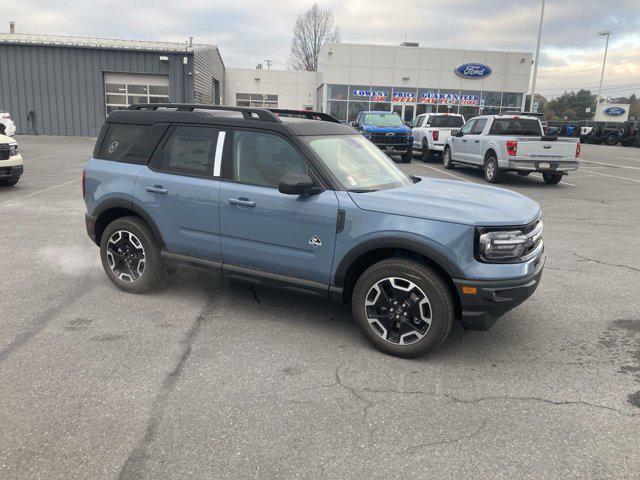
[11, 167]
[309, 206]
[7, 127]
[511, 143]
[630, 133]
[430, 131]
[607, 133]
[387, 131]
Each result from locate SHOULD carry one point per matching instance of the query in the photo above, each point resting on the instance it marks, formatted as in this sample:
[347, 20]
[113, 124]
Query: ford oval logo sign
[614, 111]
[473, 70]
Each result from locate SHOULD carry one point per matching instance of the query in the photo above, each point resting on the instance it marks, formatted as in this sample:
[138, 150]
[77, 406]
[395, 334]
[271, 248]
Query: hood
[452, 201]
[5, 139]
[372, 129]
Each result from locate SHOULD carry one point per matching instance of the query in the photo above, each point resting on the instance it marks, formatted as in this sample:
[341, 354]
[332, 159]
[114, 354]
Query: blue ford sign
[473, 70]
[614, 111]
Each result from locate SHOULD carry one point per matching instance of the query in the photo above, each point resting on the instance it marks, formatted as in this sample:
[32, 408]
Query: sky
[250, 31]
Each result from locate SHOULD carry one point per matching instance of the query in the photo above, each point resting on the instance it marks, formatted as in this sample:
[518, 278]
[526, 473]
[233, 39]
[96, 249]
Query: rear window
[130, 143]
[516, 126]
[445, 121]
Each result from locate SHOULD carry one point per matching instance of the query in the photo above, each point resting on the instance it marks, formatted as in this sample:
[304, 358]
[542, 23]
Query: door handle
[156, 189]
[464, 140]
[242, 202]
[477, 141]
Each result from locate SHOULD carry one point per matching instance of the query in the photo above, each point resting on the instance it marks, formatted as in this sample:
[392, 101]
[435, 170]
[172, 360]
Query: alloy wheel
[126, 256]
[398, 310]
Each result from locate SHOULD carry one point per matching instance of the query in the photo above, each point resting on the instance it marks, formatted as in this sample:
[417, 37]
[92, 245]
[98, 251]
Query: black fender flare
[134, 207]
[424, 249]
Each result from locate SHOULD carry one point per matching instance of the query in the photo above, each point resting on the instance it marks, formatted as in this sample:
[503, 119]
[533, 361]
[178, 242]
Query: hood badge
[315, 241]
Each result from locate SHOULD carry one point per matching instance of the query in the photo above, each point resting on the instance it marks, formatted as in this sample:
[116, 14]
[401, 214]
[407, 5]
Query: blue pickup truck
[309, 206]
[387, 132]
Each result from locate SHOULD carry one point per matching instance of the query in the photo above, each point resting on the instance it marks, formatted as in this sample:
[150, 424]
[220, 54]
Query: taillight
[84, 182]
[435, 134]
[578, 150]
[512, 147]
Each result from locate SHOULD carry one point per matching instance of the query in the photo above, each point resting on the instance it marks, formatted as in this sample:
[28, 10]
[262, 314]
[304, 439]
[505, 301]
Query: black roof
[150, 114]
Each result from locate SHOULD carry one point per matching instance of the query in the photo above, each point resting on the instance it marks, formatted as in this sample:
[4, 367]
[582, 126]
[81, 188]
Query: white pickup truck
[430, 130]
[511, 143]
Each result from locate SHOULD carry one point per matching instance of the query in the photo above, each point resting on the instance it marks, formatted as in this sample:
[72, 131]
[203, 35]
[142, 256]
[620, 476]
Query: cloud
[250, 31]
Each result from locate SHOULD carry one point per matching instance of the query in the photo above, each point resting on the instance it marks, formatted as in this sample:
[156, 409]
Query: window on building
[256, 100]
[492, 99]
[263, 158]
[469, 112]
[355, 108]
[120, 95]
[190, 151]
[337, 92]
[381, 107]
[337, 110]
[512, 100]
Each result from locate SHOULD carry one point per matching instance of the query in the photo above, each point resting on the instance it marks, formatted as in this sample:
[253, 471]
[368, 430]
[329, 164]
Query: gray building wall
[64, 86]
[208, 67]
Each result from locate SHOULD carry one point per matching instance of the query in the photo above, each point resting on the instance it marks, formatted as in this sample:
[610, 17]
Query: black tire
[9, 182]
[552, 178]
[491, 172]
[407, 156]
[3, 129]
[152, 272]
[430, 283]
[446, 159]
[524, 174]
[611, 140]
[425, 154]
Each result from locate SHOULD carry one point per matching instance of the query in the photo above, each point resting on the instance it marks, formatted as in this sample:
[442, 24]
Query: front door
[406, 112]
[460, 145]
[181, 193]
[268, 230]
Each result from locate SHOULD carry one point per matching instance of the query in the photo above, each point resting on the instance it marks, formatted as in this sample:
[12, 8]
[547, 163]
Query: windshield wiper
[362, 190]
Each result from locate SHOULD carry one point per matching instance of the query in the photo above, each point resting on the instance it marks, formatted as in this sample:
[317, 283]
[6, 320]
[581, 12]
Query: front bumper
[11, 171]
[494, 298]
[396, 148]
[536, 166]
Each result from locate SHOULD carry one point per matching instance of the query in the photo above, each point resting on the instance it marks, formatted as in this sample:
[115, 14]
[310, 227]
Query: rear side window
[130, 143]
[190, 151]
[445, 121]
[515, 126]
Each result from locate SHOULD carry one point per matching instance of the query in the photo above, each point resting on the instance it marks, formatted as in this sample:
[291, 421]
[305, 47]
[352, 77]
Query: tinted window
[263, 158]
[479, 125]
[190, 151]
[128, 143]
[383, 119]
[515, 126]
[446, 121]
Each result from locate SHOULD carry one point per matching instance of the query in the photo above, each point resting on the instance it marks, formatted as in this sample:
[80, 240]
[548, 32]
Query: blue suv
[387, 131]
[307, 205]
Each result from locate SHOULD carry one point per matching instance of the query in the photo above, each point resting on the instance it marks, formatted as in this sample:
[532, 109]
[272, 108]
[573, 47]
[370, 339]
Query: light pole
[604, 62]
[535, 64]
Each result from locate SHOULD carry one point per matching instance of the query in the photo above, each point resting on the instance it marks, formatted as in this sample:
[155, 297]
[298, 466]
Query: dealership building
[56, 85]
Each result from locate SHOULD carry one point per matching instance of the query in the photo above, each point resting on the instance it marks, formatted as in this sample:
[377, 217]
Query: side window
[126, 143]
[479, 127]
[190, 151]
[417, 122]
[263, 158]
[467, 127]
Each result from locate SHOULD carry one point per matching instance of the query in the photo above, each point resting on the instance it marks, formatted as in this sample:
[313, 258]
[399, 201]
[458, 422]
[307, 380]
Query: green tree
[573, 105]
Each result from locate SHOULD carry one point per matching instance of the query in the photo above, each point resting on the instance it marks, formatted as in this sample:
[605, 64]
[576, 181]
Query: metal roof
[104, 43]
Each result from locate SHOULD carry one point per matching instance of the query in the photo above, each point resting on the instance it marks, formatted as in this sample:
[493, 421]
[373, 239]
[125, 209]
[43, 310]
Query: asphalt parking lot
[214, 379]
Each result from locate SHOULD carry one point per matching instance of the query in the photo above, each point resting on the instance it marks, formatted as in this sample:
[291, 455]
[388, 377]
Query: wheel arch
[112, 209]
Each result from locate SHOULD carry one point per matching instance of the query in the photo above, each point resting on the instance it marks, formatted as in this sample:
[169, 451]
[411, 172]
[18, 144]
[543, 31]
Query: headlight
[13, 150]
[504, 246]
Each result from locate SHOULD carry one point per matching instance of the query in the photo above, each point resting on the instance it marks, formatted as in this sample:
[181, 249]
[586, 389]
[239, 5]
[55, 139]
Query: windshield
[516, 126]
[357, 163]
[383, 119]
[444, 121]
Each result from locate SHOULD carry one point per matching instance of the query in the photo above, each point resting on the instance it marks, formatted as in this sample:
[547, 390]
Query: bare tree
[313, 29]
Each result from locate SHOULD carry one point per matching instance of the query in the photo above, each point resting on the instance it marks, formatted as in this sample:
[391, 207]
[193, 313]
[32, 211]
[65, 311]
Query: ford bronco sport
[307, 205]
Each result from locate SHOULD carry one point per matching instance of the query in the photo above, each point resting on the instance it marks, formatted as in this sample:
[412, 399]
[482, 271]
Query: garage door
[123, 89]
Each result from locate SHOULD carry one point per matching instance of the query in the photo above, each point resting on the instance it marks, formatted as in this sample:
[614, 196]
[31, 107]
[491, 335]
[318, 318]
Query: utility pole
[604, 62]
[268, 62]
[535, 64]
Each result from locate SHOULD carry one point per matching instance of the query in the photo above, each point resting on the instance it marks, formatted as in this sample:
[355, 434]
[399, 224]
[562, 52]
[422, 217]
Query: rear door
[181, 191]
[268, 230]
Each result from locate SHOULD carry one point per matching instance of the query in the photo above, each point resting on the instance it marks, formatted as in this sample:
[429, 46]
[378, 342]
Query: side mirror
[454, 133]
[298, 184]
[355, 125]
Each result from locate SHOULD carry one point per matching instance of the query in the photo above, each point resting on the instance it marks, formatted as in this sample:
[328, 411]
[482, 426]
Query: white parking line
[441, 171]
[611, 165]
[567, 183]
[39, 191]
[629, 158]
[612, 176]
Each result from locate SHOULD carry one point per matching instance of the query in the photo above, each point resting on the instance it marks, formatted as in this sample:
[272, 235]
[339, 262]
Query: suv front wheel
[130, 255]
[403, 307]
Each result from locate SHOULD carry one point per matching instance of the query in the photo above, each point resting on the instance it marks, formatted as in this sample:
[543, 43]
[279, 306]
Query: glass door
[406, 112]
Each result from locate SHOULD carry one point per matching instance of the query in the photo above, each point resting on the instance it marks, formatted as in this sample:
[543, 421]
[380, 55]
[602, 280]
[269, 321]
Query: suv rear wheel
[492, 173]
[403, 307]
[130, 255]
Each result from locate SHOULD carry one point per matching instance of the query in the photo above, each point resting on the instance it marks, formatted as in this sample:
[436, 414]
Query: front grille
[384, 139]
[533, 232]
[4, 151]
